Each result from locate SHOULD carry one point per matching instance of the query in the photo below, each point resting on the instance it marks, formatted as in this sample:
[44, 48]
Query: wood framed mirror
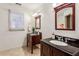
[65, 16]
[38, 22]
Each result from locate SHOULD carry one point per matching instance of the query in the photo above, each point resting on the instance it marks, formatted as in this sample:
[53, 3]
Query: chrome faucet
[60, 38]
[66, 39]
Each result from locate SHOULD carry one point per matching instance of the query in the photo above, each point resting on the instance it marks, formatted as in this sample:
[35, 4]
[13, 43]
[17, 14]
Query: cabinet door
[36, 39]
[46, 50]
[57, 52]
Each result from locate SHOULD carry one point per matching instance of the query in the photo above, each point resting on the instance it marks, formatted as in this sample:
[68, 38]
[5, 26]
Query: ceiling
[29, 7]
[32, 6]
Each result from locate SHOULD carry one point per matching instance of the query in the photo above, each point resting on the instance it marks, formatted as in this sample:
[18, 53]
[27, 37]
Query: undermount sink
[56, 42]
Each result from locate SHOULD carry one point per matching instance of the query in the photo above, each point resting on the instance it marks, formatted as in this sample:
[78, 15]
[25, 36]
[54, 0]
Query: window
[16, 21]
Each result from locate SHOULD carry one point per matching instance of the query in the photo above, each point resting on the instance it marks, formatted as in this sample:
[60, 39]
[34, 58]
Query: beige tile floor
[24, 51]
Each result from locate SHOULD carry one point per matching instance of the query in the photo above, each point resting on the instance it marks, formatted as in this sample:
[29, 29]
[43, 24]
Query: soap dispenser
[53, 36]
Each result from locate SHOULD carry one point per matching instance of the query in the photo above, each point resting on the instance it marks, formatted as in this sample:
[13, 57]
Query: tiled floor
[21, 52]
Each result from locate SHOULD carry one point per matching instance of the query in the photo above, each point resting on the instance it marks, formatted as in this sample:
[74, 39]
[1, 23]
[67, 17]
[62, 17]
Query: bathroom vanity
[33, 39]
[50, 49]
[61, 45]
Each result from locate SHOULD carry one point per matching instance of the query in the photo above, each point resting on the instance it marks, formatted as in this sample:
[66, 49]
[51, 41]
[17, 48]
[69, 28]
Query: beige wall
[12, 39]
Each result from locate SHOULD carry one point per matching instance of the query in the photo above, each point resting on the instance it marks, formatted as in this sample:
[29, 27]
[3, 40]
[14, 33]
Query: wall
[12, 39]
[47, 21]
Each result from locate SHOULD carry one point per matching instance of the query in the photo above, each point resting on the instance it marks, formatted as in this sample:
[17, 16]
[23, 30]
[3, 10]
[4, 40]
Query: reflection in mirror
[68, 20]
[38, 22]
[65, 16]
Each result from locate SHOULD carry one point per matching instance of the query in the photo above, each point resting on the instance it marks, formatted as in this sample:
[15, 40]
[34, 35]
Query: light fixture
[54, 5]
[19, 4]
[35, 14]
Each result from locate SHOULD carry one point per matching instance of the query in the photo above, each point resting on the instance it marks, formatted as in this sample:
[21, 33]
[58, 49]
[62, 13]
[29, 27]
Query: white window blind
[16, 21]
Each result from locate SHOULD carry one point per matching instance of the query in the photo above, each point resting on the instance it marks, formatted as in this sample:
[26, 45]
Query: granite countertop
[33, 34]
[74, 51]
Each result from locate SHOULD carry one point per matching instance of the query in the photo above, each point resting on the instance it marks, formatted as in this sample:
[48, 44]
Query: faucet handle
[62, 39]
[66, 39]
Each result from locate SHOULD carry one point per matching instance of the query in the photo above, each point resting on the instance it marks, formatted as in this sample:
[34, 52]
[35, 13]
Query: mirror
[65, 17]
[38, 22]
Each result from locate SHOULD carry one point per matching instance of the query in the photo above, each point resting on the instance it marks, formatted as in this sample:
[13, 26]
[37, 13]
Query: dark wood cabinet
[47, 50]
[57, 52]
[33, 39]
